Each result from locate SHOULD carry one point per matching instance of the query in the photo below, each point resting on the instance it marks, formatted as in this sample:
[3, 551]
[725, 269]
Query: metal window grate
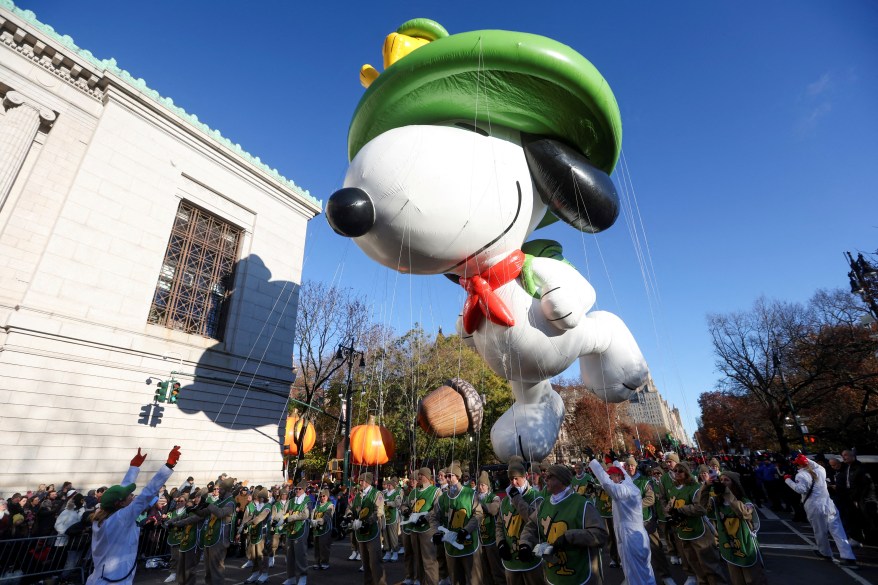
[196, 274]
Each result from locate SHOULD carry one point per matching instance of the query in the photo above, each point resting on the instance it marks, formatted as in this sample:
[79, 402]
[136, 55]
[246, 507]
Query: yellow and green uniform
[186, 537]
[422, 500]
[642, 482]
[295, 529]
[366, 509]
[454, 513]
[737, 541]
[512, 524]
[215, 527]
[691, 527]
[488, 527]
[257, 532]
[603, 503]
[391, 514]
[323, 511]
[553, 520]
[585, 485]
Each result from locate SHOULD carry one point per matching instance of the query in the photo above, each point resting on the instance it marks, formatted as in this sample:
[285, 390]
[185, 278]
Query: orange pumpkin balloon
[371, 444]
[294, 427]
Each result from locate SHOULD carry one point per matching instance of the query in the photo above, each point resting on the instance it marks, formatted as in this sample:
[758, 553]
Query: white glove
[542, 549]
[357, 524]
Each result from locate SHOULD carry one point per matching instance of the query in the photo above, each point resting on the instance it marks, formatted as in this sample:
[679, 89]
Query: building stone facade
[94, 170]
[649, 407]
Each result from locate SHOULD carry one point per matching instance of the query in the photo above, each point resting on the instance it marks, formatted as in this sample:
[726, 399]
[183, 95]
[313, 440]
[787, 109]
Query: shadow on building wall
[243, 381]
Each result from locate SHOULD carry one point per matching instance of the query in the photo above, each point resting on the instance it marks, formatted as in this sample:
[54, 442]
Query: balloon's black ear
[575, 190]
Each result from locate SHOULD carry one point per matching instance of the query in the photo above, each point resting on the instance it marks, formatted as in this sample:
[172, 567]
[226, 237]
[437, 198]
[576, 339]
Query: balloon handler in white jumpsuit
[810, 482]
[631, 537]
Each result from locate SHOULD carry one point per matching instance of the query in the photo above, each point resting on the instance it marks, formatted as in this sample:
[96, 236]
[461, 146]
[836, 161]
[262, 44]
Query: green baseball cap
[115, 494]
[520, 80]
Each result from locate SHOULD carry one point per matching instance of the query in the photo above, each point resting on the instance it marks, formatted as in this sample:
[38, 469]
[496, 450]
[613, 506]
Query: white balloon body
[450, 200]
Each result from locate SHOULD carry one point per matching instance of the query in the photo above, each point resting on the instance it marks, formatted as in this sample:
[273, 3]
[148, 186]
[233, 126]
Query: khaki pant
[754, 575]
[322, 544]
[273, 544]
[492, 567]
[660, 566]
[466, 570]
[373, 571]
[440, 559]
[532, 577]
[425, 551]
[408, 559]
[391, 537]
[297, 560]
[215, 564]
[187, 562]
[611, 542]
[704, 559]
[256, 554]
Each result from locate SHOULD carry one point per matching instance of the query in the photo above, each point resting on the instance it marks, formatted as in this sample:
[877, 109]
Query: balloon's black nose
[350, 212]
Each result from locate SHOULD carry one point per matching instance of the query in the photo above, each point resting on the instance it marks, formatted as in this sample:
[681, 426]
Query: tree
[327, 317]
[788, 354]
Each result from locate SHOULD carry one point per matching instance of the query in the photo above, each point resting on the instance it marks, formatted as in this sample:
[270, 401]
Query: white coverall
[114, 542]
[821, 511]
[631, 538]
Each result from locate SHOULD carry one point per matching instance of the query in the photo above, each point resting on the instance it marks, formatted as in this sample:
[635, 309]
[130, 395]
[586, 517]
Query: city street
[786, 546]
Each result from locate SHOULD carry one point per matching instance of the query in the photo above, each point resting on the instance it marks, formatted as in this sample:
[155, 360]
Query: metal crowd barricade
[35, 558]
[28, 560]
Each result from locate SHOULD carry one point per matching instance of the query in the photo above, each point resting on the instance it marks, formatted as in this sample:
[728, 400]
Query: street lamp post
[347, 353]
[786, 391]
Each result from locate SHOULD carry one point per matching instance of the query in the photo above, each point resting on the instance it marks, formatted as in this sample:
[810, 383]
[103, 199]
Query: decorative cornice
[79, 68]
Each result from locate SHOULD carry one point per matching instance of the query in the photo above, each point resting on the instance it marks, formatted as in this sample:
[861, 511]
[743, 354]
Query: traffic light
[175, 391]
[810, 439]
[161, 391]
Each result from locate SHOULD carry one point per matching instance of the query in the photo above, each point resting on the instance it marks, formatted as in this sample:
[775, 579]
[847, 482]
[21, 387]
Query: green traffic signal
[161, 391]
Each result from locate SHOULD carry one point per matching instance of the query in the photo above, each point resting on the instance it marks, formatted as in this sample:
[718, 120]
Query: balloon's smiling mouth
[492, 242]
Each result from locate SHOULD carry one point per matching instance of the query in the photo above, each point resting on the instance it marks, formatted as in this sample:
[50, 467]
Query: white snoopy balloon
[439, 183]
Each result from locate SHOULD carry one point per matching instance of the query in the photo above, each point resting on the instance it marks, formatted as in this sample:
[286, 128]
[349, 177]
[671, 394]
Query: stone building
[649, 407]
[135, 243]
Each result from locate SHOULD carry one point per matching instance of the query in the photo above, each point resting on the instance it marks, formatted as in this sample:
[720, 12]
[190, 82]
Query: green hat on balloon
[519, 80]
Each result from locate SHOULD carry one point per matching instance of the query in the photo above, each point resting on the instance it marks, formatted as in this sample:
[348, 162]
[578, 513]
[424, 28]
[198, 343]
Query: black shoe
[850, 564]
[820, 555]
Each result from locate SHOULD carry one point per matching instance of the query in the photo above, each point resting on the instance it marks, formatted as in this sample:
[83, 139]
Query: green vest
[512, 525]
[277, 511]
[364, 508]
[692, 527]
[390, 514]
[214, 527]
[423, 500]
[737, 542]
[584, 486]
[295, 529]
[604, 503]
[323, 511]
[642, 482]
[175, 533]
[574, 565]
[454, 513]
[489, 524]
[256, 532]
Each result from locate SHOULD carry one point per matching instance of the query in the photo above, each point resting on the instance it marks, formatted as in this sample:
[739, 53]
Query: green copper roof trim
[140, 85]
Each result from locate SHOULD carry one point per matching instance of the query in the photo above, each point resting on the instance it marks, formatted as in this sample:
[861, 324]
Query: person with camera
[459, 512]
[521, 501]
[566, 531]
[115, 533]
[295, 528]
[686, 515]
[732, 514]
[321, 521]
[628, 517]
[421, 501]
[367, 511]
[810, 483]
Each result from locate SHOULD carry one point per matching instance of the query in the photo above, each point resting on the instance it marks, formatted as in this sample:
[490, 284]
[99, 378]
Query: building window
[197, 273]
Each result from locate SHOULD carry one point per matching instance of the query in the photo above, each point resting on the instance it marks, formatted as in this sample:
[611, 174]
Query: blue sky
[750, 139]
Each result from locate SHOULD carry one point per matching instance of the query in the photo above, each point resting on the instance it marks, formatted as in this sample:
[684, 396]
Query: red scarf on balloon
[482, 300]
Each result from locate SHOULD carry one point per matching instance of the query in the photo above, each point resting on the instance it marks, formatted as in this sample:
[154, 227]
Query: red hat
[801, 460]
[612, 469]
